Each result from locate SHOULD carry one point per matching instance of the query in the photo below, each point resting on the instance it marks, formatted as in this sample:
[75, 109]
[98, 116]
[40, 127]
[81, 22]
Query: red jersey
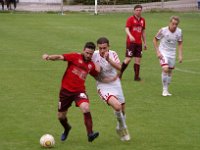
[76, 72]
[136, 26]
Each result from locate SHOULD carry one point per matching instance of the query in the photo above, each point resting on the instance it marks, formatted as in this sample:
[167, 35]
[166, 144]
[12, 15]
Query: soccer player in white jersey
[109, 85]
[166, 51]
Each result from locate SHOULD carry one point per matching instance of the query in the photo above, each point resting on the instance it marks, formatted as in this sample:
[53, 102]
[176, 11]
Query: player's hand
[97, 67]
[106, 56]
[45, 56]
[180, 59]
[159, 55]
[132, 39]
[145, 47]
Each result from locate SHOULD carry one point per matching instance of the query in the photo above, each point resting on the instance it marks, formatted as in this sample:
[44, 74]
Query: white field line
[187, 71]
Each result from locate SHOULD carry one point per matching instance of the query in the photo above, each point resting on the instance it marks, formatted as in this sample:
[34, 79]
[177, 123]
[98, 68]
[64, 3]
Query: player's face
[173, 25]
[88, 54]
[138, 12]
[103, 48]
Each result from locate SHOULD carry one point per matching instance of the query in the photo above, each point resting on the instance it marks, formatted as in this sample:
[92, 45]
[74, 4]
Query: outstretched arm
[52, 57]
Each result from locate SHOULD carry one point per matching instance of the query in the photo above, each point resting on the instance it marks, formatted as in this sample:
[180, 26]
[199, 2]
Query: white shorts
[108, 90]
[168, 61]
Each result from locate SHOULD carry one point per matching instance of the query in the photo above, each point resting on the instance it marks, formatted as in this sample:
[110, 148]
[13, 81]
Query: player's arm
[180, 51]
[155, 43]
[144, 39]
[109, 79]
[112, 63]
[132, 39]
[52, 57]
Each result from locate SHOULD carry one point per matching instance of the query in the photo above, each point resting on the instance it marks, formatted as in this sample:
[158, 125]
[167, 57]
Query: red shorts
[133, 50]
[66, 98]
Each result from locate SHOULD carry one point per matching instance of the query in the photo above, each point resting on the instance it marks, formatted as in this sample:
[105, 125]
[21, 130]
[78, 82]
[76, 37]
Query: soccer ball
[47, 140]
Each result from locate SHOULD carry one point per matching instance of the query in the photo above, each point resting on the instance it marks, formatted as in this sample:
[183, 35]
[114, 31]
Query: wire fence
[104, 5]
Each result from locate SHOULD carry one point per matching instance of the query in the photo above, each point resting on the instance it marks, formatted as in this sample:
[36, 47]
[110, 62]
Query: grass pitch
[30, 86]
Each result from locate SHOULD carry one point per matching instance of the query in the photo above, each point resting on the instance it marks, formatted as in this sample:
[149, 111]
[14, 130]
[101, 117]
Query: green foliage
[29, 86]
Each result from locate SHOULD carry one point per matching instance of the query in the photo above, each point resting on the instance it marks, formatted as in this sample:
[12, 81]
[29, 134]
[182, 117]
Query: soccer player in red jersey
[135, 30]
[73, 88]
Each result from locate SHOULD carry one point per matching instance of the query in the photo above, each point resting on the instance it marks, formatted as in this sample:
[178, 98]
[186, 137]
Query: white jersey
[105, 90]
[106, 69]
[168, 41]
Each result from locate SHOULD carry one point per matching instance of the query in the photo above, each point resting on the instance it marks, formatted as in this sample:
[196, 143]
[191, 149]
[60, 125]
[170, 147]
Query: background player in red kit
[135, 30]
[73, 88]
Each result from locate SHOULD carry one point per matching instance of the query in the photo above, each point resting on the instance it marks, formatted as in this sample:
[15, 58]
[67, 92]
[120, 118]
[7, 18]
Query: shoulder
[163, 30]
[72, 54]
[95, 54]
[179, 30]
[130, 18]
[112, 52]
[142, 19]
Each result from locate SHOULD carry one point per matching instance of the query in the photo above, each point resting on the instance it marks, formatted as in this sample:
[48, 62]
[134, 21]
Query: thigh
[65, 100]
[171, 63]
[137, 50]
[80, 98]
[129, 49]
[163, 61]
[106, 92]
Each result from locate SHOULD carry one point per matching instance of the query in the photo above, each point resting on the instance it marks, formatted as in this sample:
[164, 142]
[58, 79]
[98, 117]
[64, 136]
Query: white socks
[164, 77]
[166, 80]
[121, 120]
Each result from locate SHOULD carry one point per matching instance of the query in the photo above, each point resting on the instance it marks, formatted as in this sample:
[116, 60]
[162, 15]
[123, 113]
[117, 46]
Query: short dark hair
[102, 40]
[90, 45]
[137, 6]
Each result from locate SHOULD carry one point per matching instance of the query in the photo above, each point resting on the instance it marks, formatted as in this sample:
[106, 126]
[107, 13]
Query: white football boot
[166, 93]
[123, 133]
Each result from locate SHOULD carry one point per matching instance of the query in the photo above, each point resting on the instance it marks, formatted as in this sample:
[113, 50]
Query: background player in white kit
[109, 85]
[166, 52]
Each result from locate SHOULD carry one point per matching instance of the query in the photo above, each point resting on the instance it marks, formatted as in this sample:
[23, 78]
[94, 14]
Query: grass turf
[30, 86]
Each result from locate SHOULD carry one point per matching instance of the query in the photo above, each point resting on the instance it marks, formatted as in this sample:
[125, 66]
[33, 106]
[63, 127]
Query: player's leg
[125, 63]
[169, 78]
[121, 128]
[127, 60]
[116, 105]
[138, 55]
[64, 103]
[164, 62]
[137, 69]
[123, 132]
[84, 106]
[15, 4]
[164, 78]
[171, 67]
[64, 122]
[2, 3]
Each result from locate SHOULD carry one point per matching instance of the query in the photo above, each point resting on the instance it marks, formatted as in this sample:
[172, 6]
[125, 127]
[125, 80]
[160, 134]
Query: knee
[85, 107]
[127, 60]
[118, 107]
[166, 70]
[61, 116]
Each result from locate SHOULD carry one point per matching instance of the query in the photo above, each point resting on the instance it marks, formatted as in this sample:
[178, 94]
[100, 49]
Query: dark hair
[137, 6]
[102, 40]
[90, 45]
